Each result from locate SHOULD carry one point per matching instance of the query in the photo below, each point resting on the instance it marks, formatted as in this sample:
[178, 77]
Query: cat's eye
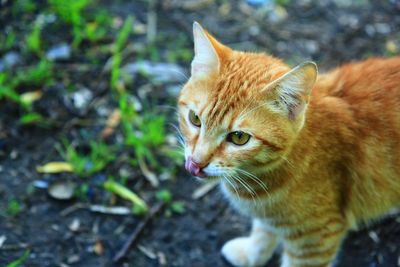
[238, 138]
[194, 119]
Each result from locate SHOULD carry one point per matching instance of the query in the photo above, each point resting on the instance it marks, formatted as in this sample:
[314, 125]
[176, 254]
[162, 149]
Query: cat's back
[367, 92]
[356, 109]
[369, 80]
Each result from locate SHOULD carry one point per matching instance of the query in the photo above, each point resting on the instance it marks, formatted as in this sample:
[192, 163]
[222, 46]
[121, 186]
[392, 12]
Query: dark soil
[329, 32]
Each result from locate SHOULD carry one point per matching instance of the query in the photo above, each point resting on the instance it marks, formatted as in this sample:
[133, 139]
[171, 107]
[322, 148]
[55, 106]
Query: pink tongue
[194, 168]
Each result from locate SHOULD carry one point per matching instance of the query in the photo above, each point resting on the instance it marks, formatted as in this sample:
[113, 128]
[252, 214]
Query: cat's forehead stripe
[230, 91]
[223, 103]
[235, 88]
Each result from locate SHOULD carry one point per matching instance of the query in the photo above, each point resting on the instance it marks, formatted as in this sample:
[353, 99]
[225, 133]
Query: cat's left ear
[290, 93]
[207, 52]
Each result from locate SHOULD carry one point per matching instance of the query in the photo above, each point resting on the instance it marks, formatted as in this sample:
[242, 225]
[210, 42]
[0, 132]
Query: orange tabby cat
[307, 157]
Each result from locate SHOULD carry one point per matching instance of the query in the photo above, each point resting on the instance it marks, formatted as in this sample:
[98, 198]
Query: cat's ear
[206, 60]
[290, 93]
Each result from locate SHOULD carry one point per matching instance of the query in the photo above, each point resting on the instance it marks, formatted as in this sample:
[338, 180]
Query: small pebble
[9, 60]
[75, 225]
[40, 184]
[59, 52]
[159, 72]
[73, 259]
[257, 2]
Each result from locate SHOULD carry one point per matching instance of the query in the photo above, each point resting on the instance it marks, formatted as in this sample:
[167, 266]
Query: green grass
[33, 40]
[119, 44]
[96, 30]
[172, 206]
[7, 41]
[31, 118]
[32, 77]
[7, 89]
[38, 75]
[20, 260]
[13, 207]
[100, 155]
[143, 133]
[23, 7]
[282, 2]
[139, 206]
[140, 136]
[71, 12]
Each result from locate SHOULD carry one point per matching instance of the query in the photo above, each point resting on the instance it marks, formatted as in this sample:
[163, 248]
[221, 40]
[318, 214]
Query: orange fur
[338, 169]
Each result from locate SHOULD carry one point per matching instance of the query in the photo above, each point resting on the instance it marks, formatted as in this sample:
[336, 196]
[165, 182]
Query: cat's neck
[322, 136]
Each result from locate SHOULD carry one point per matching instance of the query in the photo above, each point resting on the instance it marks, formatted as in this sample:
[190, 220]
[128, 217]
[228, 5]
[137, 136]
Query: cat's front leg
[313, 247]
[254, 250]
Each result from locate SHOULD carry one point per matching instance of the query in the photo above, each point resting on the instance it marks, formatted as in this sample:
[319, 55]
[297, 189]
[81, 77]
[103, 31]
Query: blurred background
[89, 150]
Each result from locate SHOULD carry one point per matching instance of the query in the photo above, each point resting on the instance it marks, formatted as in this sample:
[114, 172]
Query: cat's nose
[194, 168]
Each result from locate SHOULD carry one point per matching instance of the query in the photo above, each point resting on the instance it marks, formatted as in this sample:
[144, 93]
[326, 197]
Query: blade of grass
[125, 193]
[20, 260]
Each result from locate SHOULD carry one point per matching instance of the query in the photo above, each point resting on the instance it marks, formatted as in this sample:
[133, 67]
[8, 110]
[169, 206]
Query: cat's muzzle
[194, 168]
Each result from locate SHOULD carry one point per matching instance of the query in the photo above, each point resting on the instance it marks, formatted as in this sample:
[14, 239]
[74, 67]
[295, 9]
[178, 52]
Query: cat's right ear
[205, 61]
[291, 92]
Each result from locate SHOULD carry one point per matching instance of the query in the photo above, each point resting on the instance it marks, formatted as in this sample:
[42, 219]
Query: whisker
[288, 162]
[242, 182]
[254, 178]
[226, 178]
[181, 139]
[182, 74]
[245, 185]
[248, 188]
[257, 180]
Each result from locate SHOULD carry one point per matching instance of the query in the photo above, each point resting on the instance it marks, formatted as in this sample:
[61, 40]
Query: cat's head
[240, 112]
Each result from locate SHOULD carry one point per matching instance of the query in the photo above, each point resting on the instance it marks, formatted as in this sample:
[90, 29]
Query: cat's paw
[244, 252]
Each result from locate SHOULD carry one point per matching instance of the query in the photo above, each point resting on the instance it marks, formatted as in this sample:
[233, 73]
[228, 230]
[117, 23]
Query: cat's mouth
[194, 168]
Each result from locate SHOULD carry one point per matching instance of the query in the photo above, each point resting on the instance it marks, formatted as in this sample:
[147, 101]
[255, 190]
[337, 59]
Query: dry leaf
[98, 248]
[30, 97]
[55, 167]
[149, 175]
[391, 47]
[112, 122]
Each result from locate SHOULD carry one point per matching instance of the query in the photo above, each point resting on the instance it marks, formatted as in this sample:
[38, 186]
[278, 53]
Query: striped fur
[318, 163]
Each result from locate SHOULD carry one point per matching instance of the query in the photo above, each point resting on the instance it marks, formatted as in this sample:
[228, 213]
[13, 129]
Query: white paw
[245, 252]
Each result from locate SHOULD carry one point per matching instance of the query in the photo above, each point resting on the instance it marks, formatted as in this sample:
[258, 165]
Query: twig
[72, 209]
[148, 253]
[15, 247]
[139, 229]
[216, 214]
[204, 189]
[110, 210]
[151, 22]
[150, 176]
[115, 210]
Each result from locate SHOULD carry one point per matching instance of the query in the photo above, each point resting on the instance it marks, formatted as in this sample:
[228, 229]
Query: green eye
[194, 119]
[238, 138]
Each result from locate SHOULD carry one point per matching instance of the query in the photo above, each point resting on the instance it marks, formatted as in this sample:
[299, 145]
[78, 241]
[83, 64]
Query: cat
[307, 158]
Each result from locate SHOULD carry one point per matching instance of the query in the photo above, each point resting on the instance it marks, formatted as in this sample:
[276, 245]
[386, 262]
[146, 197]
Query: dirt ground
[328, 32]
